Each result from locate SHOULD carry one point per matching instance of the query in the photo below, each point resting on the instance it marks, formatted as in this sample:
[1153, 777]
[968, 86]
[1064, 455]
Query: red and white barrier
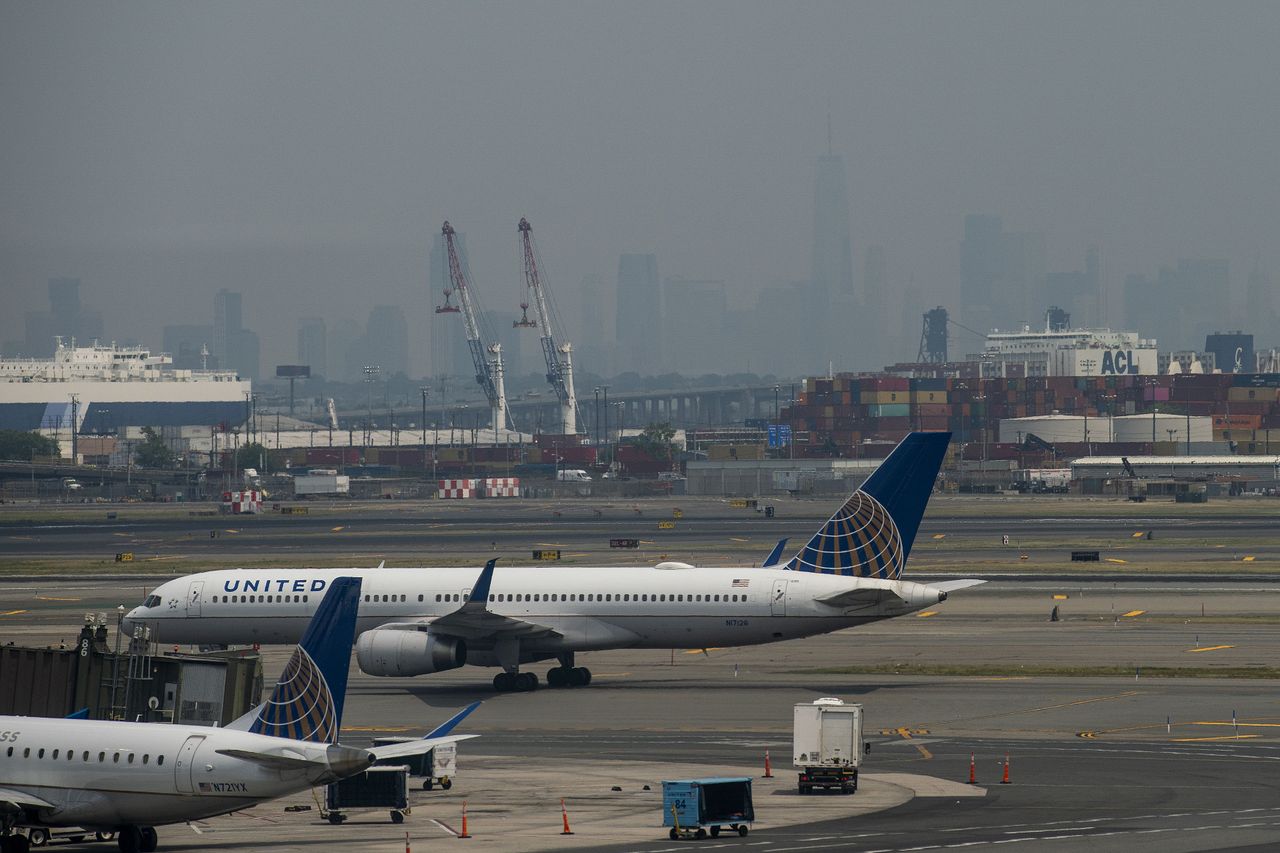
[455, 489]
[238, 503]
[502, 487]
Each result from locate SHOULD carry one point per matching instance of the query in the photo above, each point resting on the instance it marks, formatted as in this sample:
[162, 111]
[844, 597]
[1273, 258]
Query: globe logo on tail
[301, 706]
[860, 539]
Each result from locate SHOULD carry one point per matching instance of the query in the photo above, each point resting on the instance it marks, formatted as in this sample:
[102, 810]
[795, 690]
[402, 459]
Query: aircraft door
[778, 601]
[193, 597]
[184, 766]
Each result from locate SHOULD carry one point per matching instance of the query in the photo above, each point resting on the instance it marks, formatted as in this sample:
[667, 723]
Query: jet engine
[388, 651]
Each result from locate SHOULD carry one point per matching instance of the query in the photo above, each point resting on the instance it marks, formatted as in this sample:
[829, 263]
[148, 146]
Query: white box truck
[321, 483]
[826, 745]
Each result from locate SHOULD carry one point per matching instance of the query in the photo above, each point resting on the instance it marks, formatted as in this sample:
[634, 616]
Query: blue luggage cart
[698, 807]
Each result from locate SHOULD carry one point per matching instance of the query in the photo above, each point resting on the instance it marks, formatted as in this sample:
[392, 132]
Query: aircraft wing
[22, 798]
[474, 621]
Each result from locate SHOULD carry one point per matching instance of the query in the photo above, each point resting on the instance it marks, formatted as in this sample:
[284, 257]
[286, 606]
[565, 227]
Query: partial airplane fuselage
[586, 609]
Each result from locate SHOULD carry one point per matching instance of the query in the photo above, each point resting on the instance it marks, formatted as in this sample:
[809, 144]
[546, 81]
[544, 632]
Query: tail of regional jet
[871, 535]
[306, 703]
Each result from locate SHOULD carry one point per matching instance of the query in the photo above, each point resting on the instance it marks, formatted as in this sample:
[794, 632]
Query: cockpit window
[152, 601]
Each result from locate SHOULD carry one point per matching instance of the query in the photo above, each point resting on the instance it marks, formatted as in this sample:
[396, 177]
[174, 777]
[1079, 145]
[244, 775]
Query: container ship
[103, 389]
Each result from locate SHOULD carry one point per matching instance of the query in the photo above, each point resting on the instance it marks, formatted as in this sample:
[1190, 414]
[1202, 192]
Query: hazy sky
[306, 152]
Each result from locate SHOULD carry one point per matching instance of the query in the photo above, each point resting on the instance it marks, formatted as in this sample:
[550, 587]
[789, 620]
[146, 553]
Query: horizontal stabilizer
[277, 760]
[419, 746]
[952, 586]
[861, 597]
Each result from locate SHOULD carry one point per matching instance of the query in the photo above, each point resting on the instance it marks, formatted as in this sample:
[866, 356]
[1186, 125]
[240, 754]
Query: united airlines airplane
[415, 621]
[127, 778]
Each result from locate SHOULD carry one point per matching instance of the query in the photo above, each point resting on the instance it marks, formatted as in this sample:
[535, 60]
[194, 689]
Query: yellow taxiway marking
[1138, 535]
[926, 614]
[738, 539]
[377, 728]
[121, 534]
[925, 753]
[1133, 613]
[1235, 725]
[231, 530]
[1125, 695]
[540, 544]
[12, 612]
[1060, 597]
[1209, 649]
[336, 529]
[646, 541]
[1247, 560]
[584, 554]
[939, 536]
[1116, 560]
[54, 598]
[904, 732]
[703, 651]
[1217, 737]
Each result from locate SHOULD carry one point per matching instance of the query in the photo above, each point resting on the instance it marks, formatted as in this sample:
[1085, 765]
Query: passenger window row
[130, 757]
[524, 598]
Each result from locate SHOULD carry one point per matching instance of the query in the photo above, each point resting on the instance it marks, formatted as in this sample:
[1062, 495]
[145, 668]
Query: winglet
[451, 723]
[480, 592]
[82, 714]
[306, 703]
[775, 556]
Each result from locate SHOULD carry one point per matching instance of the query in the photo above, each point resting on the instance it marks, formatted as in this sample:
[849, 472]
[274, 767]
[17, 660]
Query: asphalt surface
[1121, 762]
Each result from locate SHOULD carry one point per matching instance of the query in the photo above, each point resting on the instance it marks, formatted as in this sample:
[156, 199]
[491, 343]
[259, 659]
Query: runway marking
[1209, 649]
[230, 530]
[926, 614]
[336, 529]
[1117, 560]
[445, 827]
[738, 539]
[23, 538]
[54, 598]
[12, 612]
[1132, 613]
[1216, 738]
[121, 534]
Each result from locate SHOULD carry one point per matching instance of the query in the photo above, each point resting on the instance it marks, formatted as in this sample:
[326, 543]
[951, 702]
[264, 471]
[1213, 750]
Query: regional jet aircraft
[129, 777]
[422, 620]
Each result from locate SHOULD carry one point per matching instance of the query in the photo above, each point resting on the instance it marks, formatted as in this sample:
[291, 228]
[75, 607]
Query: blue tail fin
[306, 703]
[871, 534]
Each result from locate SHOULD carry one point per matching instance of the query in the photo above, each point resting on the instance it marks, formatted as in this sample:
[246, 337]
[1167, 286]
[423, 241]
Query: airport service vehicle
[694, 807]
[826, 745]
[321, 483]
[416, 621]
[127, 778]
[573, 475]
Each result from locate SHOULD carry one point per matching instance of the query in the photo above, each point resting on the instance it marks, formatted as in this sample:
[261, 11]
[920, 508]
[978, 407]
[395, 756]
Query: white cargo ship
[112, 387]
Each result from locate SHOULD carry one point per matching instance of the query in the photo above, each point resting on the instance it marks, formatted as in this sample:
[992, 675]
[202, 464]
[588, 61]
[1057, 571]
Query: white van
[573, 475]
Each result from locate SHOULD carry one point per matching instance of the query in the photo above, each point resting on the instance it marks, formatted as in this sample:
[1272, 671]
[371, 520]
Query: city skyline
[313, 183]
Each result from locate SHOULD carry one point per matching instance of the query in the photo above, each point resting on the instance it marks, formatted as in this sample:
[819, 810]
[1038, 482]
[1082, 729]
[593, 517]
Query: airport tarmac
[1106, 751]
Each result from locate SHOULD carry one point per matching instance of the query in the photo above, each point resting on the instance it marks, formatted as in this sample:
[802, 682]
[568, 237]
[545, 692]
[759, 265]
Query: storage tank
[1055, 429]
[1168, 427]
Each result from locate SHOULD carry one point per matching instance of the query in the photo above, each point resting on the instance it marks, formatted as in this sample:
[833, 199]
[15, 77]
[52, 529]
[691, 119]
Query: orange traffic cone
[406, 844]
[564, 813]
[1005, 780]
[464, 833]
[768, 766]
[973, 770]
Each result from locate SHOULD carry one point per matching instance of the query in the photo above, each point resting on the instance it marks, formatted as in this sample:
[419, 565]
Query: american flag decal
[741, 583]
[204, 788]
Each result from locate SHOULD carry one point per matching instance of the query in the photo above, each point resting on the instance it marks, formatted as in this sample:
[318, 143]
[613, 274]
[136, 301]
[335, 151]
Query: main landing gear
[14, 844]
[137, 839]
[515, 682]
[568, 676]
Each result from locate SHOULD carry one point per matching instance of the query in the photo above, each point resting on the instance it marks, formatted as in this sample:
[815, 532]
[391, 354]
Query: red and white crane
[486, 359]
[559, 358]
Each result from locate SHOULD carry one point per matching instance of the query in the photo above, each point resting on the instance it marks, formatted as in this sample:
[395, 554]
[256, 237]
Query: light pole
[370, 376]
[775, 404]
[424, 389]
[596, 391]
[605, 390]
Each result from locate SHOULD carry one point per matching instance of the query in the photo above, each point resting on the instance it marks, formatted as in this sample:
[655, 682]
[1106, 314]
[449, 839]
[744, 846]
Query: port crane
[487, 360]
[559, 359]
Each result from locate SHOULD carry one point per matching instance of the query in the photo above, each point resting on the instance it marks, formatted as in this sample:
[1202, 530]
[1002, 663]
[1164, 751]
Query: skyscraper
[695, 326]
[386, 340]
[66, 318]
[313, 345]
[832, 262]
[236, 347]
[639, 317]
[1002, 274]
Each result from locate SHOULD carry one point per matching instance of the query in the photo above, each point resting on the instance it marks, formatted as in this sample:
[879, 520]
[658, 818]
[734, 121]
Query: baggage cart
[375, 788]
[694, 808]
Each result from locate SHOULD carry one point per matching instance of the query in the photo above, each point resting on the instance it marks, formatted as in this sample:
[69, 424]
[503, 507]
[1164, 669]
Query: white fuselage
[585, 608]
[103, 774]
